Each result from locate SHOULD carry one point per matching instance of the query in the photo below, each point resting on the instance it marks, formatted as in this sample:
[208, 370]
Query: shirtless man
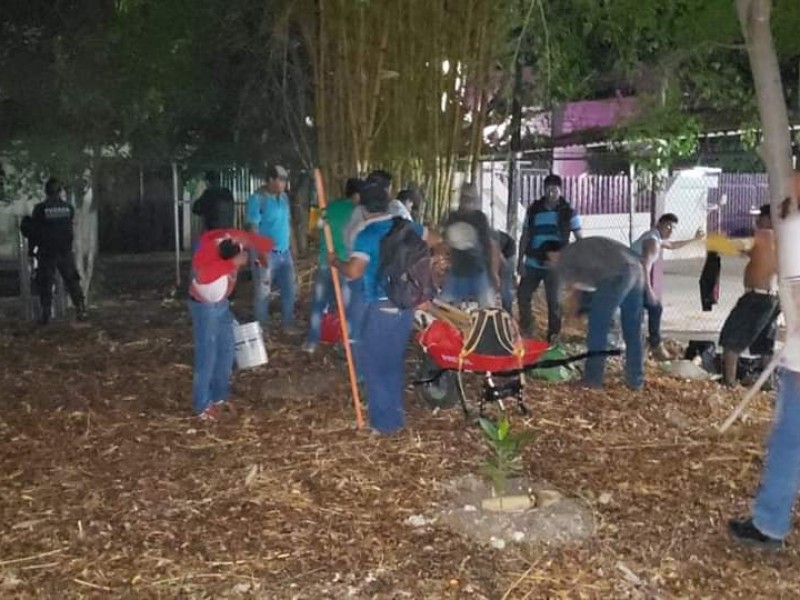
[756, 311]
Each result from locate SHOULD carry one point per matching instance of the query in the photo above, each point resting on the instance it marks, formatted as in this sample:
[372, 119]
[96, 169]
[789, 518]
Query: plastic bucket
[249, 345]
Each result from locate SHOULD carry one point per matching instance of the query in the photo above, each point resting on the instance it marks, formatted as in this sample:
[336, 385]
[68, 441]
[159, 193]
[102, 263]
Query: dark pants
[654, 312]
[527, 288]
[45, 278]
[384, 340]
[746, 324]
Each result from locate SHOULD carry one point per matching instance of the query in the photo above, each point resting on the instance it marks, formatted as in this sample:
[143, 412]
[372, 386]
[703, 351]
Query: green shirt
[337, 214]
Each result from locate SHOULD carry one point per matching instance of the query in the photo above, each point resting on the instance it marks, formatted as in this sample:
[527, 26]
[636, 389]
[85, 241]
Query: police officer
[52, 233]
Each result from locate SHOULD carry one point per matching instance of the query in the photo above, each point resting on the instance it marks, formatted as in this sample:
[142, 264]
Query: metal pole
[631, 202]
[176, 219]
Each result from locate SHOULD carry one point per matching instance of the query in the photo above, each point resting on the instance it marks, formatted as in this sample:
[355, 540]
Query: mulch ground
[109, 489]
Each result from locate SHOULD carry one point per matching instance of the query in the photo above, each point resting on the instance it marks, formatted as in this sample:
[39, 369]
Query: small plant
[505, 458]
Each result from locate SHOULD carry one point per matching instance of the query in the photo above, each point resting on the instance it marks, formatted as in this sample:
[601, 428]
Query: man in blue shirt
[549, 219]
[268, 213]
[386, 328]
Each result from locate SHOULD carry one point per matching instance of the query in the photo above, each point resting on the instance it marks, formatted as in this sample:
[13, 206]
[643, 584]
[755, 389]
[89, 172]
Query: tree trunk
[86, 231]
[776, 152]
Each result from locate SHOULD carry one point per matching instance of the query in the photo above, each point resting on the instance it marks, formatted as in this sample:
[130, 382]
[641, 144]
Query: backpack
[493, 332]
[406, 270]
[565, 214]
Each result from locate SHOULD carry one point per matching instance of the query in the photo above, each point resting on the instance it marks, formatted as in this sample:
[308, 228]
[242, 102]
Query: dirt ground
[109, 489]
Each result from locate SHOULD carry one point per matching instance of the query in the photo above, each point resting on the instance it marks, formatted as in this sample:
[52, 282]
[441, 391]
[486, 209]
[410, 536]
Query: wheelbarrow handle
[560, 362]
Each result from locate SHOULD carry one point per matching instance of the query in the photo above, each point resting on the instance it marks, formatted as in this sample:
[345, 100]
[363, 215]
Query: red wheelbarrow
[438, 380]
[439, 377]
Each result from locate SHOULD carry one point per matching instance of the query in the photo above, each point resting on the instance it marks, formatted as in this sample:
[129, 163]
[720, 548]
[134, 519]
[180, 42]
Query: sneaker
[309, 347]
[744, 532]
[209, 414]
[660, 353]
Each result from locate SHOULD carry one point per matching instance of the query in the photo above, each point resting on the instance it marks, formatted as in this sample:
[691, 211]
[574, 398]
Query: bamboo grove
[401, 85]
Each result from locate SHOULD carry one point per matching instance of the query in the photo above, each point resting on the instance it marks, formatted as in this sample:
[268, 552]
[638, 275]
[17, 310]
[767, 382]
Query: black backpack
[406, 269]
[493, 332]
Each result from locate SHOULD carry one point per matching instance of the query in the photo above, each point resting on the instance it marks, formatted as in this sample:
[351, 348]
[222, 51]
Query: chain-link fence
[614, 202]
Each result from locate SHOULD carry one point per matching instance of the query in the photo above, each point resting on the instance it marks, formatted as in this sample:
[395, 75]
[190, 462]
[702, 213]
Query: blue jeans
[476, 288]
[626, 293]
[507, 285]
[772, 512]
[654, 312]
[279, 273]
[385, 336]
[325, 298]
[212, 331]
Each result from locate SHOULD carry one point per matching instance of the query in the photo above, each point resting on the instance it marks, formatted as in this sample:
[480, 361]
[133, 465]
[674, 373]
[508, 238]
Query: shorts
[752, 314]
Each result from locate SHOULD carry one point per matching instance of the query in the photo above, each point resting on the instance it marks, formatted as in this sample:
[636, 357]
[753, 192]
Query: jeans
[772, 512]
[625, 292]
[654, 312]
[527, 288]
[325, 298]
[212, 331]
[279, 273]
[385, 336]
[507, 286]
[475, 288]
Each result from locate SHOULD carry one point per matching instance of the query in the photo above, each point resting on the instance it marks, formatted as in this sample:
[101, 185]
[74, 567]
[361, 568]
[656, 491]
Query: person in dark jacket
[215, 206]
[51, 233]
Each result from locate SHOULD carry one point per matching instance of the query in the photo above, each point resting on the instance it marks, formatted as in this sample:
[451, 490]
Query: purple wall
[744, 191]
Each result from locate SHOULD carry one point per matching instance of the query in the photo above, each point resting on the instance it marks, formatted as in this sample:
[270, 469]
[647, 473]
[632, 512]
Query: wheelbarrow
[438, 380]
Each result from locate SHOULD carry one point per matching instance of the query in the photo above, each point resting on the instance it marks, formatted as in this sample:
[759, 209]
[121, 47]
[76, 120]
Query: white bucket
[249, 345]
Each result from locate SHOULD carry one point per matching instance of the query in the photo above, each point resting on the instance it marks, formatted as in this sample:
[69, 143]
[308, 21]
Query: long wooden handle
[337, 289]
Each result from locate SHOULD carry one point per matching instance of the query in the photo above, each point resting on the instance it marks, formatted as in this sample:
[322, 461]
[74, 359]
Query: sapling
[505, 458]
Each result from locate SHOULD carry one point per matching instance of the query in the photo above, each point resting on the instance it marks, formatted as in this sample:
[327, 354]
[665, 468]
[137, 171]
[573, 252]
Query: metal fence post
[176, 217]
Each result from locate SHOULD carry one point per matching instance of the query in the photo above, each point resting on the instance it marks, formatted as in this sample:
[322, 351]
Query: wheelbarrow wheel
[442, 392]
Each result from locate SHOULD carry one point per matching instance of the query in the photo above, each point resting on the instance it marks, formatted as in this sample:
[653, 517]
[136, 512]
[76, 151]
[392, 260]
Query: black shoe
[82, 314]
[744, 532]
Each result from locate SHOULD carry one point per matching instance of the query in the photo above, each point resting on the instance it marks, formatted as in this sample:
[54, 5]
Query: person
[52, 234]
[756, 311]
[403, 205]
[615, 277]
[474, 264]
[337, 215]
[386, 329]
[215, 206]
[508, 253]
[549, 219]
[649, 247]
[359, 216]
[219, 256]
[269, 213]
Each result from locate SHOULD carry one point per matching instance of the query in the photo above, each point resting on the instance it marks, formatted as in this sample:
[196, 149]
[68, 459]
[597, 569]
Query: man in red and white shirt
[215, 265]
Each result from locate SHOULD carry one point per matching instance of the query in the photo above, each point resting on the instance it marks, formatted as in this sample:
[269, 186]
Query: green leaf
[502, 429]
[489, 428]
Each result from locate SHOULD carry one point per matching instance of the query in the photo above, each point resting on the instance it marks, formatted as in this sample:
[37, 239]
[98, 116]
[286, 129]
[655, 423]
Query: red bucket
[330, 329]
